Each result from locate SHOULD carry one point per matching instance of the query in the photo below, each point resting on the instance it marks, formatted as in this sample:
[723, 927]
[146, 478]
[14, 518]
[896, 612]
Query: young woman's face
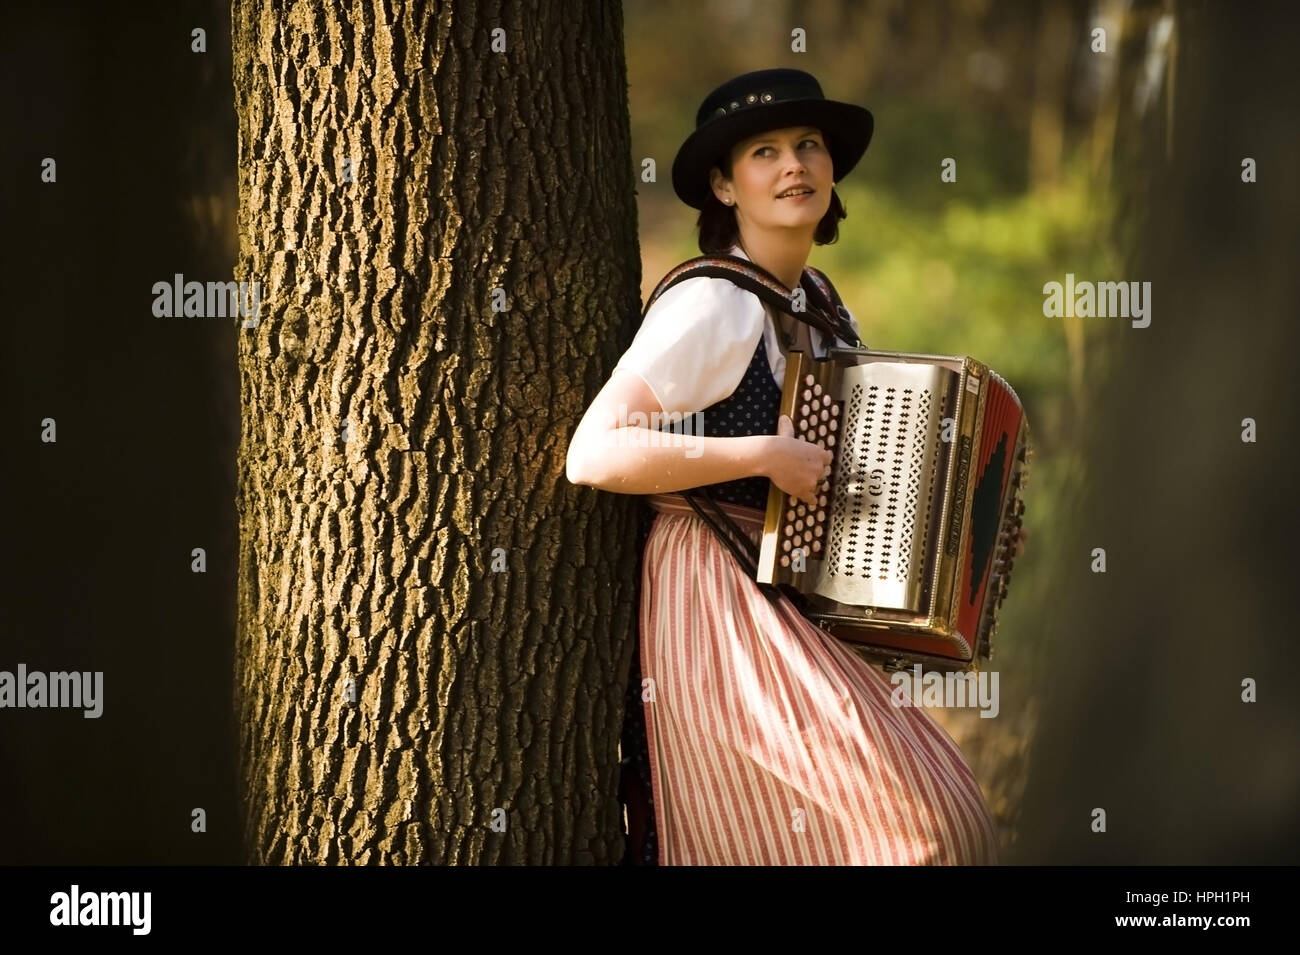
[766, 166]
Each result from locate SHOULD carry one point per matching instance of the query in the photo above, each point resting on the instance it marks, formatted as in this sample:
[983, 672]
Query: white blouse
[698, 339]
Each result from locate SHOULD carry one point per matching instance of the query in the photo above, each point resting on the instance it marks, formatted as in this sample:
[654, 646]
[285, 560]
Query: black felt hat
[759, 101]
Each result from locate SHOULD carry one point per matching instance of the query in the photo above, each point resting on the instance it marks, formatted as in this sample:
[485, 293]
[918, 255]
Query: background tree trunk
[400, 437]
[1144, 717]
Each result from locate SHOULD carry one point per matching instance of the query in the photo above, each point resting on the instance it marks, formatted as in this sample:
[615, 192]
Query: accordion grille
[882, 509]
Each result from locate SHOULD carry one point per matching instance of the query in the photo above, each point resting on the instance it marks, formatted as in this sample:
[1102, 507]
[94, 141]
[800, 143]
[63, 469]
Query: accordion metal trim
[907, 557]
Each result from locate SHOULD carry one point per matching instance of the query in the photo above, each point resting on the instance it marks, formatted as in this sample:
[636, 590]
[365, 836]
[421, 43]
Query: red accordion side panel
[997, 449]
[911, 642]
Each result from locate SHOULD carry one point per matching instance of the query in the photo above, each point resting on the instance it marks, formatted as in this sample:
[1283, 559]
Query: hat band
[772, 94]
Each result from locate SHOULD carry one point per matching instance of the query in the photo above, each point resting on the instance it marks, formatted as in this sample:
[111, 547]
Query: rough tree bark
[400, 437]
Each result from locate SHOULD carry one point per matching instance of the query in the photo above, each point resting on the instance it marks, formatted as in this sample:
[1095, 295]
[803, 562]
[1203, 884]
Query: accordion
[907, 556]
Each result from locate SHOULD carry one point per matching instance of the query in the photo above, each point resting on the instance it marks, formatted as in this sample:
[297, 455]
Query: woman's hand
[796, 466]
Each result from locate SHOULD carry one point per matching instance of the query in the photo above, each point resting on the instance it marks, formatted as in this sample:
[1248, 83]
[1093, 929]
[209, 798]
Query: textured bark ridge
[396, 431]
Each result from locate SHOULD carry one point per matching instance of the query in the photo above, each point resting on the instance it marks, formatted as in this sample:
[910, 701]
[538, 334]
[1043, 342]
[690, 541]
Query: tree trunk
[404, 518]
[1146, 715]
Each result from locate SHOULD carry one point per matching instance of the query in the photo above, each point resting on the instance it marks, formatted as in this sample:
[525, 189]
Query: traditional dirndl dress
[763, 739]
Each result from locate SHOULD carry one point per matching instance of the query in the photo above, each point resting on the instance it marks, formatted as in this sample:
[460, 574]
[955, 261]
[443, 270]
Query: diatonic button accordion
[907, 555]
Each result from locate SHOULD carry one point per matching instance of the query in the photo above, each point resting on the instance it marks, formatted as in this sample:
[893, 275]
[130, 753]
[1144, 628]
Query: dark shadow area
[101, 523]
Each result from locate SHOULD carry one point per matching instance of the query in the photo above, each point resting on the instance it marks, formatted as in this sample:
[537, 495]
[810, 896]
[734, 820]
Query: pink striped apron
[772, 743]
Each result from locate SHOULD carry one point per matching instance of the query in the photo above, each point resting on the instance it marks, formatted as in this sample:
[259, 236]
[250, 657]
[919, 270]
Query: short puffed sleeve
[696, 342]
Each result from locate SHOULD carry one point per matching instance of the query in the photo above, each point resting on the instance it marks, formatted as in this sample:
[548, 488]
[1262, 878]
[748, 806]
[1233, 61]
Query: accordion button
[785, 545]
[825, 415]
[821, 429]
[804, 412]
[834, 425]
[801, 510]
[830, 439]
[817, 531]
[817, 389]
[789, 515]
[785, 561]
[821, 501]
[816, 546]
[808, 379]
[835, 410]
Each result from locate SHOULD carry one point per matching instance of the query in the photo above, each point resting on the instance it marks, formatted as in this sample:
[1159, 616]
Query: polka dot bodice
[751, 409]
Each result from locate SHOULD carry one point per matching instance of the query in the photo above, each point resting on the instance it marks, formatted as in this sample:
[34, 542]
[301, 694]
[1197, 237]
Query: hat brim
[846, 127]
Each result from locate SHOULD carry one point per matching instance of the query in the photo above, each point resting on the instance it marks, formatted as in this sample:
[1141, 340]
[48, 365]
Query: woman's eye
[761, 149]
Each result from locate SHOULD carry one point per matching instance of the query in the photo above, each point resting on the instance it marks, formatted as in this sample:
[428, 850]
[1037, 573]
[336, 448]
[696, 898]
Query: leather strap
[825, 312]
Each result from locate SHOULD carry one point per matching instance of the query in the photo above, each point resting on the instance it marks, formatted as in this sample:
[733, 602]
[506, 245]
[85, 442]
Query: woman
[768, 741]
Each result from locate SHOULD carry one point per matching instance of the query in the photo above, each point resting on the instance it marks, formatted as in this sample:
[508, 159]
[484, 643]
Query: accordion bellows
[907, 555]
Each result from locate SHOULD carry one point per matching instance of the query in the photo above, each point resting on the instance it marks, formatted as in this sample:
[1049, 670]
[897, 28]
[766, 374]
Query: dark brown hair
[719, 231]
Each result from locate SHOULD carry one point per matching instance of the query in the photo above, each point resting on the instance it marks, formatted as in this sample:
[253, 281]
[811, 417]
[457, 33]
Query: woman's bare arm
[620, 459]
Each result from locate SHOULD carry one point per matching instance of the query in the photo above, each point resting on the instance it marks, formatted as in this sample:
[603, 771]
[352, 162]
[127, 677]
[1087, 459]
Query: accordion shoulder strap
[832, 297]
[825, 312]
[728, 532]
